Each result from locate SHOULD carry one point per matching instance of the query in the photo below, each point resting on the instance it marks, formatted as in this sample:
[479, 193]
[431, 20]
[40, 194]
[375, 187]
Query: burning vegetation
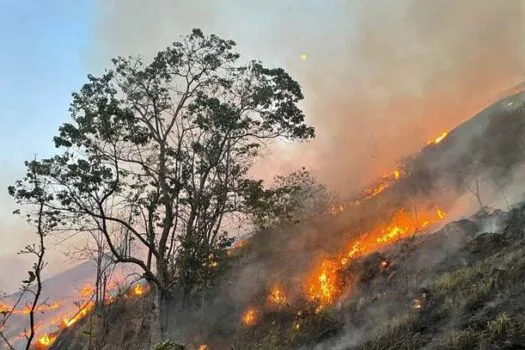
[171, 143]
[61, 320]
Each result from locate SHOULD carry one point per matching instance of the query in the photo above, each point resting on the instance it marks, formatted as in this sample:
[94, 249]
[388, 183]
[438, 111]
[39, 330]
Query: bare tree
[474, 188]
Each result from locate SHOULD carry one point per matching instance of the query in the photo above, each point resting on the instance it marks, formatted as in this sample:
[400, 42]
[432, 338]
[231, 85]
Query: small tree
[36, 195]
[168, 146]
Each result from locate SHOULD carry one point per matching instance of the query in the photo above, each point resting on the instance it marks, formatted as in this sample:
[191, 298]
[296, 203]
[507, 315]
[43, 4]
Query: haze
[379, 80]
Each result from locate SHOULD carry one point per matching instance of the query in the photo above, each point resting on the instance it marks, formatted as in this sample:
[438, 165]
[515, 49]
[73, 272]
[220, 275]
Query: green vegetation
[158, 155]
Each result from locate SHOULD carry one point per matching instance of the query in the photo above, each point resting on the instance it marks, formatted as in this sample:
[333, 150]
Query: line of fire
[323, 286]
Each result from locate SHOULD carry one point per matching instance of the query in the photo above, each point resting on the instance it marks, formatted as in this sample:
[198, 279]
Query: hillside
[389, 268]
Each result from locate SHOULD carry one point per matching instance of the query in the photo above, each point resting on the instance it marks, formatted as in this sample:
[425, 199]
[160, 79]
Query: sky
[41, 63]
[381, 78]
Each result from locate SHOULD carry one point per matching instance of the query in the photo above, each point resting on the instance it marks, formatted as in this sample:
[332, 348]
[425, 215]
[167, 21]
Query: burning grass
[62, 318]
[326, 284]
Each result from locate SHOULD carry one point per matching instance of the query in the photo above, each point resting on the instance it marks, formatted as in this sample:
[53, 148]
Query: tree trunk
[161, 303]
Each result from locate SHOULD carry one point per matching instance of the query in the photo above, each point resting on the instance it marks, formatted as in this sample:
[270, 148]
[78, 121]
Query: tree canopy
[159, 154]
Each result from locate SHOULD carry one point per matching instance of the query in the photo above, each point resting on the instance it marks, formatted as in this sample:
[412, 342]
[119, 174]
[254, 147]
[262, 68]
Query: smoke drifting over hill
[380, 78]
[379, 81]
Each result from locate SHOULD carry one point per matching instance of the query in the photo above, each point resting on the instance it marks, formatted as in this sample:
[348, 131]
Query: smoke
[380, 78]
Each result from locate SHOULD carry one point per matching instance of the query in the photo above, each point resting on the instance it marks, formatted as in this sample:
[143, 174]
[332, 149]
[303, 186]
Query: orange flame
[438, 139]
[325, 285]
[46, 340]
[68, 322]
[249, 318]
[277, 296]
[138, 289]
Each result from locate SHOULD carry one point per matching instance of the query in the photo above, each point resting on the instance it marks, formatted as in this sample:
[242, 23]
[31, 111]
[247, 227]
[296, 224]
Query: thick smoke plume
[380, 78]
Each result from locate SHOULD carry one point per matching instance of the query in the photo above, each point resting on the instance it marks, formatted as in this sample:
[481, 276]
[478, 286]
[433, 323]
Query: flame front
[439, 138]
[68, 322]
[325, 284]
[45, 340]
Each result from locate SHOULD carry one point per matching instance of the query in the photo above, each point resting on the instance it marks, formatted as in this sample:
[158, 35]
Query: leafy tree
[161, 152]
[290, 198]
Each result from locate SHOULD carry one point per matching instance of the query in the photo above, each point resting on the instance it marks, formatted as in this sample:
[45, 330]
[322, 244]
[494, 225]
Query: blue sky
[41, 63]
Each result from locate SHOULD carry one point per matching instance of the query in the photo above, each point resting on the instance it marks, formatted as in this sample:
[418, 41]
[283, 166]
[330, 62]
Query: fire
[138, 289]
[249, 318]
[204, 347]
[386, 181]
[438, 139]
[325, 284]
[4, 307]
[335, 209]
[374, 191]
[68, 322]
[276, 297]
[87, 291]
[46, 340]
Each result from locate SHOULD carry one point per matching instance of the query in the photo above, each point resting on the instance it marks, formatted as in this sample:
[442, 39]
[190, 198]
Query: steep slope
[489, 144]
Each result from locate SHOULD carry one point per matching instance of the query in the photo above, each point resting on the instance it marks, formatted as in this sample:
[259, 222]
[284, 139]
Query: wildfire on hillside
[325, 284]
[64, 319]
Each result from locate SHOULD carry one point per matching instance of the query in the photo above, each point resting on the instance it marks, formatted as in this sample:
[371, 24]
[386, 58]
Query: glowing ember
[249, 318]
[396, 174]
[418, 304]
[276, 296]
[138, 289]
[46, 340]
[204, 347]
[438, 139]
